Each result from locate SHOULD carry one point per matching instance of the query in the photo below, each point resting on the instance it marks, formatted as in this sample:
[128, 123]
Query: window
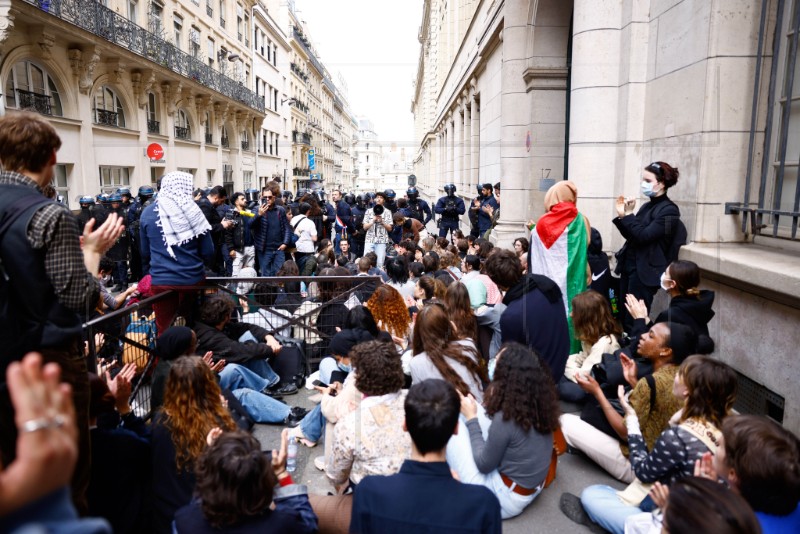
[182, 126]
[247, 180]
[778, 175]
[223, 138]
[132, 10]
[187, 171]
[112, 178]
[269, 50]
[208, 129]
[239, 22]
[367, 159]
[61, 183]
[30, 87]
[245, 140]
[211, 55]
[155, 18]
[275, 101]
[209, 8]
[227, 178]
[222, 13]
[275, 55]
[194, 42]
[108, 109]
[178, 29]
[153, 126]
[210, 177]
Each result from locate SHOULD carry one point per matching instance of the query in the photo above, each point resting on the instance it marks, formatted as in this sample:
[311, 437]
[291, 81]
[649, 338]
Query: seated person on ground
[241, 343]
[236, 486]
[424, 496]
[518, 416]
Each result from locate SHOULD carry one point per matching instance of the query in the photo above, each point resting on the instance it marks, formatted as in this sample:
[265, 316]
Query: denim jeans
[313, 424]
[270, 261]
[121, 272]
[460, 459]
[262, 408]
[53, 513]
[234, 376]
[262, 369]
[606, 509]
[379, 249]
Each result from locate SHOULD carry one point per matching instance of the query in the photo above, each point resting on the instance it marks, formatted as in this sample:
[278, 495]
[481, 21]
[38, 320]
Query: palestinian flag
[558, 250]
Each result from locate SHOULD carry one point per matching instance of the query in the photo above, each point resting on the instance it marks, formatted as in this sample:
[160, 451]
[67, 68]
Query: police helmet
[146, 191]
[450, 189]
[124, 191]
[361, 201]
[350, 199]
[104, 198]
[86, 201]
[287, 196]
[252, 195]
[390, 194]
[115, 197]
[412, 193]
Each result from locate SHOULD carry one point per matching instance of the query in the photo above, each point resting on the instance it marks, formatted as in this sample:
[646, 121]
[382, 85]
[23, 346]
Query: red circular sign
[155, 151]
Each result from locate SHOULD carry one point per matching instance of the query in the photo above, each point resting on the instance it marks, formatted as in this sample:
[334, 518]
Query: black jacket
[694, 312]
[213, 218]
[649, 235]
[223, 343]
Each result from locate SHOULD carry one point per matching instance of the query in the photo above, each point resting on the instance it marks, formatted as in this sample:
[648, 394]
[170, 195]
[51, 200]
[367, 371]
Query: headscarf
[180, 219]
[174, 342]
[563, 191]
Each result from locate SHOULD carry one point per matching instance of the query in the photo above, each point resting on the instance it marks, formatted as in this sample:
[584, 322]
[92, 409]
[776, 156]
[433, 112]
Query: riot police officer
[87, 211]
[450, 208]
[389, 195]
[359, 234]
[417, 208]
[119, 251]
[143, 199]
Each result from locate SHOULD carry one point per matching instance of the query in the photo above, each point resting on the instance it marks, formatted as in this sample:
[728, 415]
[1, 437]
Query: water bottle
[291, 455]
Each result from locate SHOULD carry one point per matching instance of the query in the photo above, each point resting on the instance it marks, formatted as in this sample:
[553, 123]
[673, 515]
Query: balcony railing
[181, 132]
[245, 145]
[99, 20]
[209, 11]
[34, 101]
[299, 137]
[224, 143]
[209, 138]
[106, 118]
[153, 127]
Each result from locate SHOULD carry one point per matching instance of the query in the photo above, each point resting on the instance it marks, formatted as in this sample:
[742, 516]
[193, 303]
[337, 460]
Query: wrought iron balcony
[245, 145]
[153, 127]
[106, 118]
[34, 101]
[99, 20]
[224, 143]
[181, 132]
[209, 138]
[209, 11]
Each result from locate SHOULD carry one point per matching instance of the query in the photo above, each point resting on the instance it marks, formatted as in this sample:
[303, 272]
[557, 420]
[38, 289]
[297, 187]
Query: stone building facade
[526, 92]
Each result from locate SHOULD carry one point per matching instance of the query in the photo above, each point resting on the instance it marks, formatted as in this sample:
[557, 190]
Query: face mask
[647, 189]
[106, 280]
[345, 368]
[663, 280]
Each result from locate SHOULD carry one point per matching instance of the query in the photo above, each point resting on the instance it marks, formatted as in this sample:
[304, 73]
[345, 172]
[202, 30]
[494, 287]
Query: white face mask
[648, 189]
[663, 280]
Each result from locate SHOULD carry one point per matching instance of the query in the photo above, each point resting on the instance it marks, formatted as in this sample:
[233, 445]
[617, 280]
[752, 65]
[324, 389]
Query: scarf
[180, 219]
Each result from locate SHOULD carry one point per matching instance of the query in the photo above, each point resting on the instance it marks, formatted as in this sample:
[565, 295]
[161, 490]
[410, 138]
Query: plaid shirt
[54, 229]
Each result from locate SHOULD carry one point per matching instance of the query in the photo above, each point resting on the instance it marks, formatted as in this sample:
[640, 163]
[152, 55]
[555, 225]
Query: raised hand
[623, 401]
[629, 371]
[636, 307]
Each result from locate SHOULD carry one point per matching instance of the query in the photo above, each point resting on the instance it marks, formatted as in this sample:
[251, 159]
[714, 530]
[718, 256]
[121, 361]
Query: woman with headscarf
[558, 246]
[174, 240]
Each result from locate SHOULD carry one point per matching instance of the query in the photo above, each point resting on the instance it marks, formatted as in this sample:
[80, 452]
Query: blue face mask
[345, 368]
[647, 189]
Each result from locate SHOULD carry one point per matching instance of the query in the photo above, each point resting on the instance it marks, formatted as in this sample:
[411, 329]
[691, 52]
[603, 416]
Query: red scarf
[553, 223]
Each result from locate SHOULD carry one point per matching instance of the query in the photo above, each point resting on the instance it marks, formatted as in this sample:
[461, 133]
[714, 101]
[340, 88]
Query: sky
[373, 44]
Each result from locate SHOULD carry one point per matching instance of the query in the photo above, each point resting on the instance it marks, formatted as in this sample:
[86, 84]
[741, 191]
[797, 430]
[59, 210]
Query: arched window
[153, 126]
[108, 109]
[182, 126]
[30, 87]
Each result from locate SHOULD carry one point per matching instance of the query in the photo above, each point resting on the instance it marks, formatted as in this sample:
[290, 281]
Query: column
[475, 114]
[449, 149]
[466, 174]
[458, 144]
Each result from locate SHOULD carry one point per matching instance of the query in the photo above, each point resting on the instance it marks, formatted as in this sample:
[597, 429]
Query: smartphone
[319, 384]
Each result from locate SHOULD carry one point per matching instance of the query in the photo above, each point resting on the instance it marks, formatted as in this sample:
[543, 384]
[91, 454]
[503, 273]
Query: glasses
[268, 196]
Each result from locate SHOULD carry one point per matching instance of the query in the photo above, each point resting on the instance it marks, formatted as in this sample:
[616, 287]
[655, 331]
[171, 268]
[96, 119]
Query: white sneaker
[319, 463]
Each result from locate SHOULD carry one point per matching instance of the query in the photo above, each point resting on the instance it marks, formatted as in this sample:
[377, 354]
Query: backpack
[414, 210]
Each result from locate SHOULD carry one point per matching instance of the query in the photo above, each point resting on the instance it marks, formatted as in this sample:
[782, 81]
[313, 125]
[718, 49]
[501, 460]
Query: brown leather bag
[559, 448]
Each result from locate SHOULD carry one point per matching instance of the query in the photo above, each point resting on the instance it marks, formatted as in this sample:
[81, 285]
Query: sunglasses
[268, 196]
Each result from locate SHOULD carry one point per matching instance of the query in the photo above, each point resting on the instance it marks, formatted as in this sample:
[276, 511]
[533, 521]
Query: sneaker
[319, 463]
[571, 506]
[299, 411]
[279, 390]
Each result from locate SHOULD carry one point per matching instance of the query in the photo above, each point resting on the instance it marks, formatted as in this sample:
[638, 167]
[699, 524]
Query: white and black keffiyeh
[180, 219]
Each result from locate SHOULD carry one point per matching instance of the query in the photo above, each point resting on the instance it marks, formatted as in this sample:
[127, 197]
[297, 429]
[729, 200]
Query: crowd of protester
[439, 362]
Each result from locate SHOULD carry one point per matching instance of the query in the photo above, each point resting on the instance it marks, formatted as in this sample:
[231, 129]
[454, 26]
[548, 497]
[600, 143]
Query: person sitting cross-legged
[242, 343]
[424, 496]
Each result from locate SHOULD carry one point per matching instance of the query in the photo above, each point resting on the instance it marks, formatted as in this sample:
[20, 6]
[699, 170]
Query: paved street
[574, 474]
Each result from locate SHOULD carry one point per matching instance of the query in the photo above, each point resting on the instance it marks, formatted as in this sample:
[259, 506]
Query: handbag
[142, 331]
[559, 448]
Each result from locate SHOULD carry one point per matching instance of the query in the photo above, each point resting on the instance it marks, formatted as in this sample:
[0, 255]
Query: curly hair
[434, 335]
[379, 370]
[216, 309]
[592, 318]
[523, 390]
[234, 480]
[504, 268]
[192, 407]
[456, 300]
[389, 310]
[711, 386]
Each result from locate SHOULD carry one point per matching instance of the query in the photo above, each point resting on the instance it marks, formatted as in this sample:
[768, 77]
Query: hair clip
[655, 164]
